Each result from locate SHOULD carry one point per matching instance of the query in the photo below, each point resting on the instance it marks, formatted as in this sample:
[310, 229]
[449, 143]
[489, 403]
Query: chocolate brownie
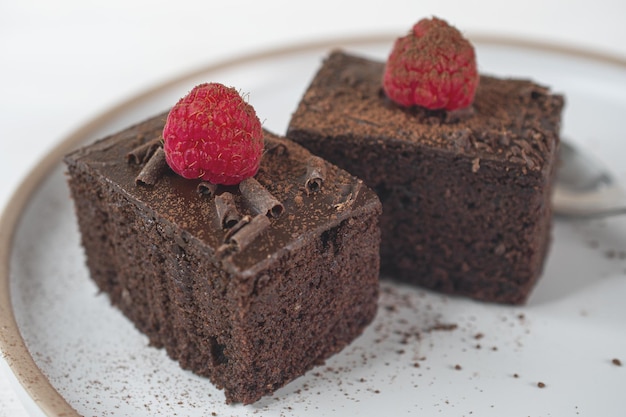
[466, 193]
[249, 285]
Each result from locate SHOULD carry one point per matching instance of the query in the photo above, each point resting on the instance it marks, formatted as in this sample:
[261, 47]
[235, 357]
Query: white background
[63, 62]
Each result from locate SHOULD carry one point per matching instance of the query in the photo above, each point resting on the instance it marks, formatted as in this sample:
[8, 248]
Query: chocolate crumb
[515, 375]
[457, 367]
[541, 385]
[616, 362]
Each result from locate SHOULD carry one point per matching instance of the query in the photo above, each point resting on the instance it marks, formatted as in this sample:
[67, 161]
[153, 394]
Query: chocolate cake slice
[249, 285]
[466, 194]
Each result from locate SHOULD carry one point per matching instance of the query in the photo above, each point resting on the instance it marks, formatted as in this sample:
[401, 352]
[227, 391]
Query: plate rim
[12, 345]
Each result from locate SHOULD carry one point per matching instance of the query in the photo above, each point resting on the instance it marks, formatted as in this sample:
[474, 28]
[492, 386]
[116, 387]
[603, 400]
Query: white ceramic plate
[425, 354]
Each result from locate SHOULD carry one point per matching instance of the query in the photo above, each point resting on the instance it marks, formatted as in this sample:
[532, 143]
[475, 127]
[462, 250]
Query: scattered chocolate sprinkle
[260, 199]
[457, 367]
[515, 375]
[153, 170]
[315, 174]
[226, 210]
[245, 235]
[141, 154]
[206, 188]
[442, 326]
[541, 385]
[616, 362]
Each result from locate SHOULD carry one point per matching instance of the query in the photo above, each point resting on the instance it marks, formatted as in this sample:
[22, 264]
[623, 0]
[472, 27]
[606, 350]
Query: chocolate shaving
[458, 115]
[315, 174]
[226, 210]
[142, 153]
[245, 235]
[241, 223]
[275, 147]
[260, 199]
[153, 170]
[206, 188]
[350, 193]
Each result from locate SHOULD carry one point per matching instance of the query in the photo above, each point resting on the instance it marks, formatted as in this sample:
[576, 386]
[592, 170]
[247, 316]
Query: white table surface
[63, 62]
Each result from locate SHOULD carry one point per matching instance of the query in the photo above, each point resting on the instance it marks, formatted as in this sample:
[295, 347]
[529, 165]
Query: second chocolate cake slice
[466, 194]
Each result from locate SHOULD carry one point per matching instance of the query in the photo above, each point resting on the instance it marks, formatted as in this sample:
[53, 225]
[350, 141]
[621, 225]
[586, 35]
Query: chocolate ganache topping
[293, 195]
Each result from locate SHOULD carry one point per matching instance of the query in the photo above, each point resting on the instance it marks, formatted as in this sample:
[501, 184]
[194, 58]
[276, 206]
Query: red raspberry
[434, 66]
[213, 134]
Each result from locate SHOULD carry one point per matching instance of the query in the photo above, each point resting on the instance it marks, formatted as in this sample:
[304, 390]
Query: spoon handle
[601, 202]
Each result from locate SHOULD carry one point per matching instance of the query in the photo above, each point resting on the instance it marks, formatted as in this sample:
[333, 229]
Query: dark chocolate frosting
[502, 123]
[298, 213]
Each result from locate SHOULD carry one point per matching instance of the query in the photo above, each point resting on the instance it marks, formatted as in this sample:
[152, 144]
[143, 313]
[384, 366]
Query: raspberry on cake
[213, 134]
[466, 188]
[434, 66]
[250, 284]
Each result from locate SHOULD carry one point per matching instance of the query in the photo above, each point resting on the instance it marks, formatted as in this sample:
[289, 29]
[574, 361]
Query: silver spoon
[584, 188]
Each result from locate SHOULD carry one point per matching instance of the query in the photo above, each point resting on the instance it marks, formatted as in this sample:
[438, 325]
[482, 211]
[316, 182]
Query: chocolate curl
[142, 153]
[153, 170]
[241, 223]
[261, 200]
[226, 210]
[315, 174]
[455, 116]
[350, 193]
[245, 235]
[275, 147]
[206, 188]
